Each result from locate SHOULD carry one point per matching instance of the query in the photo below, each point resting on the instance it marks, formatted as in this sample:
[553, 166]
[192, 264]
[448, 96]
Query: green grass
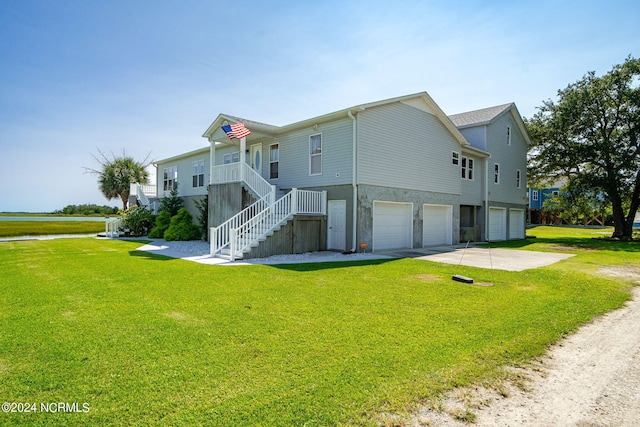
[147, 340]
[39, 228]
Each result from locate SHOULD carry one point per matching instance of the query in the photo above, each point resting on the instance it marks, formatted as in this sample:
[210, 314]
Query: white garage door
[392, 225]
[516, 224]
[497, 224]
[436, 229]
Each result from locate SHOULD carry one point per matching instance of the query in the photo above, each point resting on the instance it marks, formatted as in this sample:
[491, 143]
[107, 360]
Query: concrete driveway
[498, 259]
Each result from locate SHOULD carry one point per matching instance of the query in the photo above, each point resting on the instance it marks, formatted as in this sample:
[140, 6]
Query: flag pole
[243, 156]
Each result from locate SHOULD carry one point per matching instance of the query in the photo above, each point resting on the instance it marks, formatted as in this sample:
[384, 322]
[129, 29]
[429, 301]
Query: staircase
[142, 194]
[254, 224]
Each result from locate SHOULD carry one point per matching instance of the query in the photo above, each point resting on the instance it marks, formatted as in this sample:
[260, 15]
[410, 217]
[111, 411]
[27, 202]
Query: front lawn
[147, 340]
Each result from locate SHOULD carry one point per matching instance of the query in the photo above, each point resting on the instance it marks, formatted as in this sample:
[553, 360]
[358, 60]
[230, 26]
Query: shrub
[203, 216]
[182, 227]
[163, 220]
[138, 219]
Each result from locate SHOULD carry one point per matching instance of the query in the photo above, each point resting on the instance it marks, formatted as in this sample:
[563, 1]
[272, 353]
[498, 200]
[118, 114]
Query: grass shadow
[318, 266]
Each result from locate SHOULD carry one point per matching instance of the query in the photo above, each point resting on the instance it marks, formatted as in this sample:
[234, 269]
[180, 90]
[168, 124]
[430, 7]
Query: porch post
[243, 156]
[212, 159]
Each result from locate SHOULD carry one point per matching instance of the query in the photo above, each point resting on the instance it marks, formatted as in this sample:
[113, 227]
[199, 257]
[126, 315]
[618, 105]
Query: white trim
[277, 161]
[230, 157]
[455, 158]
[466, 170]
[197, 172]
[312, 155]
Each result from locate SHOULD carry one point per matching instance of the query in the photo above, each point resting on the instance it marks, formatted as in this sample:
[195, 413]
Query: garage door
[497, 224]
[437, 225]
[516, 224]
[392, 225]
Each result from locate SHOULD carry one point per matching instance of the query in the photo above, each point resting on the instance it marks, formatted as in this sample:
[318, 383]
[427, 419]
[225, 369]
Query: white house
[391, 174]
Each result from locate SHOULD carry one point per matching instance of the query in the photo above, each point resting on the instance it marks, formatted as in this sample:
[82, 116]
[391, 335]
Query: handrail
[237, 172]
[239, 235]
[112, 227]
[221, 236]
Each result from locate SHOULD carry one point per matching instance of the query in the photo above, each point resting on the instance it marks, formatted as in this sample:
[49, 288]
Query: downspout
[486, 198]
[354, 183]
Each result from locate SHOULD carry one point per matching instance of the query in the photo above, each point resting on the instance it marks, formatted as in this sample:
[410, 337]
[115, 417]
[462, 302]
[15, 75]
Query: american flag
[236, 130]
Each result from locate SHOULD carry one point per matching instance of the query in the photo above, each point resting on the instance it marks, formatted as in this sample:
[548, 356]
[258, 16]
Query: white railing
[112, 227]
[220, 236]
[143, 191]
[237, 172]
[257, 183]
[238, 235]
[223, 174]
[309, 202]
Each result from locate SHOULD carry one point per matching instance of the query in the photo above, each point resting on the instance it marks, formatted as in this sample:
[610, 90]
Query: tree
[173, 203]
[590, 135]
[118, 173]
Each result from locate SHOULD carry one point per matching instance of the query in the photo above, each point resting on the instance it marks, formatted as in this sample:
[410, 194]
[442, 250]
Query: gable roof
[270, 130]
[483, 116]
[489, 115]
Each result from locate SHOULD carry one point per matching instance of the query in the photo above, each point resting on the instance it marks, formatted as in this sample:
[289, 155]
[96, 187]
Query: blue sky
[150, 76]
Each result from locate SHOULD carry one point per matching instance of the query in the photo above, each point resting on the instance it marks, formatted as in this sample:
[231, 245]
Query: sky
[79, 77]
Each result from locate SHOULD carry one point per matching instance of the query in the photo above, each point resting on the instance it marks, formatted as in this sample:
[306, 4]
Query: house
[537, 198]
[392, 174]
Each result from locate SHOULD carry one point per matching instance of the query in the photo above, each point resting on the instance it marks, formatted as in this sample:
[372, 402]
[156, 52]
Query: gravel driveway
[591, 378]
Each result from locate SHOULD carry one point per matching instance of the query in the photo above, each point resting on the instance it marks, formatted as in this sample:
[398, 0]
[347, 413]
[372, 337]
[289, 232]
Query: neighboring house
[393, 174]
[537, 197]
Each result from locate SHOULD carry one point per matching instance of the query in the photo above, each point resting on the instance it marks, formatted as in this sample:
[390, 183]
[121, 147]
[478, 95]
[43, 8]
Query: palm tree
[118, 173]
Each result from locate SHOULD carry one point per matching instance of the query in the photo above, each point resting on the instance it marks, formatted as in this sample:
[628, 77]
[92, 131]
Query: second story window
[518, 178]
[170, 177]
[467, 168]
[508, 135]
[496, 173]
[315, 154]
[198, 174]
[534, 195]
[455, 158]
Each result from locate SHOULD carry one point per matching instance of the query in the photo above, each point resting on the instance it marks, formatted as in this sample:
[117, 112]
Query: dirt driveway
[591, 378]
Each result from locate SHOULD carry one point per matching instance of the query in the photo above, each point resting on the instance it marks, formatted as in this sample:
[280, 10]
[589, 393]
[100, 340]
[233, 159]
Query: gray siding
[185, 175]
[510, 157]
[403, 147]
[476, 136]
[337, 155]
[472, 192]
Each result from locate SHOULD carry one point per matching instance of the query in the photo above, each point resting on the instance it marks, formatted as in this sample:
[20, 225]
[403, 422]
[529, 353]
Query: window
[518, 176]
[467, 168]
[231, 158]
[508, 135]
[496, 173]
[198, 173]
[534, 195]
[315, 154]
[455, 158]
[274, 160]
[555, 193]
[170, 178]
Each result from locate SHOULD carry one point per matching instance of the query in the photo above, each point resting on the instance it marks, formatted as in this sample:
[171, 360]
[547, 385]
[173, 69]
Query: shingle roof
[478, 117]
